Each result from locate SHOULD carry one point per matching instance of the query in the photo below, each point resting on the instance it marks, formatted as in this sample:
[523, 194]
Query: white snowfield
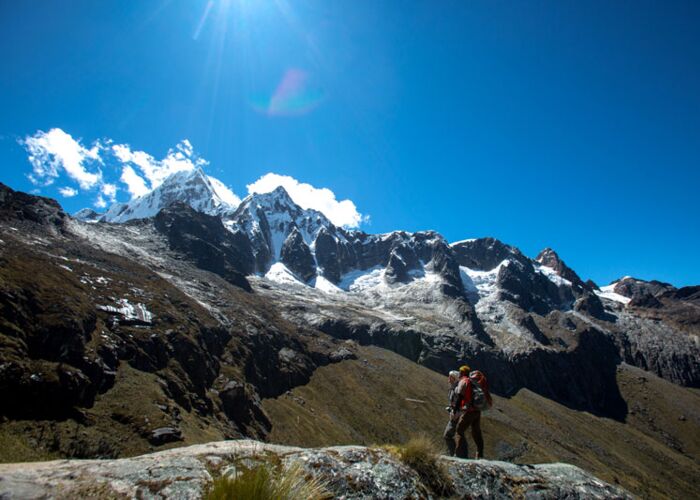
[608, 292]
[481, 283]
[356, 281]
[360, 280]
[280, 274]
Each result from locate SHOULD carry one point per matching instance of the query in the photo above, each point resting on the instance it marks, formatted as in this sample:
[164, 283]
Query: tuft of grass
[421, 454]
[259, 483]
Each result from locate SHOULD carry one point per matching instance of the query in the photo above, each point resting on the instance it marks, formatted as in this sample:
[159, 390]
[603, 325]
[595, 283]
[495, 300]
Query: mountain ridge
[226, 322]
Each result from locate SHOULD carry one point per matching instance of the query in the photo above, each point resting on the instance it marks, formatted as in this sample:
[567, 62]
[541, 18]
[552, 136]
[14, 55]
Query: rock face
[22, 207]
[485, 254]
[295, 254]
[350, 472]
[639, 289]
[551, 259]
[204, 239]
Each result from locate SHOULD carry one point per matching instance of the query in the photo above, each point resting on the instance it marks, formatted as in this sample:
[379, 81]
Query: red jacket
[464, 391]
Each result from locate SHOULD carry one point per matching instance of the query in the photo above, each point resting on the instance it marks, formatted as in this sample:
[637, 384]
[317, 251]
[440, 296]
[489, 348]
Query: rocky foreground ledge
[350, 471]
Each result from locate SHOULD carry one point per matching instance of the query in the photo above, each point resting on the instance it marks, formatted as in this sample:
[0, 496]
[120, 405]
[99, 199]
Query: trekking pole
[420, 401]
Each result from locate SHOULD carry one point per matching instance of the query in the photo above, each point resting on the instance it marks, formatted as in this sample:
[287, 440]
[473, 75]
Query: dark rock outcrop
[687, 293]
[637, 289]
[242, 405]
[204, 239]
[532, 291]
[484, 254]
[328, 255]
[590, 304]
[443, 262]
[402, 260]
[646, 300]
[296, 255]
[164, 435]
[22, 207]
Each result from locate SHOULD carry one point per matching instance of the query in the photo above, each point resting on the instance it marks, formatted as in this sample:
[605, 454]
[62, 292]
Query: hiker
[449, 434]
[470, 397]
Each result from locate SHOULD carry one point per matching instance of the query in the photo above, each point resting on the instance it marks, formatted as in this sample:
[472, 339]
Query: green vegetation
[421, 454]
[15, 448]
[265, 482]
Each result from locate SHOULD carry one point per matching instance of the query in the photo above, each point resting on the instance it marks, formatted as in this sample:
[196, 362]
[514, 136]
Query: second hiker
[449, 434]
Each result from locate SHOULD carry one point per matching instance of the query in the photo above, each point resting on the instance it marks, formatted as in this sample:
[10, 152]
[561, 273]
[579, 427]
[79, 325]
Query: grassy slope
[117, 425]
[654, 454]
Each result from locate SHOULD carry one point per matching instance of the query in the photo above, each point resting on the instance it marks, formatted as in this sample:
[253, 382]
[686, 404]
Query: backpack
[481, 399]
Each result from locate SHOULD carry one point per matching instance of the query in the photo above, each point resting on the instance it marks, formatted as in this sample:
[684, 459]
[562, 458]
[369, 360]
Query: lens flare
[296, 94]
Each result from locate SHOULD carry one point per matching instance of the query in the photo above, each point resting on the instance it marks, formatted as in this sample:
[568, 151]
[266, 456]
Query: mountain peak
[547, 255]
[549, 258]
[277, 198]
[192, 187]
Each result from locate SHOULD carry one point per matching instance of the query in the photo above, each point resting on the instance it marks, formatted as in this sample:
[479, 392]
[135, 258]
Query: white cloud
[110, 191]
[100, 202]
[181, 158]
[134, 183]
[68, 192]
[51, 151]
[55, 153]
[340, 213]
[224, 192]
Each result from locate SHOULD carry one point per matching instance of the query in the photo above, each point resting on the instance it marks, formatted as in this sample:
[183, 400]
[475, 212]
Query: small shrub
[259, 483]
[421, 454]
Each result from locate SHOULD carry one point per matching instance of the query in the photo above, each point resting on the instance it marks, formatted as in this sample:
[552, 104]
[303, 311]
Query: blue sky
[574, 125]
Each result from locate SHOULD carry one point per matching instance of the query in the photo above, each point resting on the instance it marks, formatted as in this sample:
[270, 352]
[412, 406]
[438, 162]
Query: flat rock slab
[351, 472]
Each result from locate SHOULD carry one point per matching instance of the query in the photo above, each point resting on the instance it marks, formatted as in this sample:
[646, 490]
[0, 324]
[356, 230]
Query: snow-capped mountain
[87, 215]
[196, 189]
[479, 289]
[294, 245]
[277, 228]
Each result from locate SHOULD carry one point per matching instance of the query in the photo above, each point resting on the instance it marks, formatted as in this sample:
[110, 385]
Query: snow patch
[468, 240]
[552, 275]
[279, 273]
[130, 313]
[608, 292]
[322, 284]
[362, 279]
[481, 283]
